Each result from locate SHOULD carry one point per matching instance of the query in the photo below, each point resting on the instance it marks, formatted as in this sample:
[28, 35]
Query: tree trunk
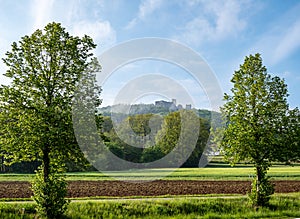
[46, 172]
[46, 163]
[259, 176]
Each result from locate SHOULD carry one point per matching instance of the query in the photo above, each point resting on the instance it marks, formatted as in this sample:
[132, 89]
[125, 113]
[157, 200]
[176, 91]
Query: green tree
[107, 124]
[258, 123]
[178, 130]
[204, 131]
[36, 118]
[168, 136]
[129, 138]
[291, 151]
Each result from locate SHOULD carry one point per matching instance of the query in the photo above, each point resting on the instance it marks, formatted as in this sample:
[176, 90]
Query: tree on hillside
[36, 118]
[291, 136]
[129, 138]
[204, 131]
[185, 129]
[258, 123]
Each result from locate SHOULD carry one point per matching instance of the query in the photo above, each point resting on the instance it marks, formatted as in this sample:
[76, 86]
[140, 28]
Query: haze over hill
[160, 107]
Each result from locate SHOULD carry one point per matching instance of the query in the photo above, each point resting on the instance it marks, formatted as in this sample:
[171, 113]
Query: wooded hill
[148, 122]
[143, 133]
[151, 109]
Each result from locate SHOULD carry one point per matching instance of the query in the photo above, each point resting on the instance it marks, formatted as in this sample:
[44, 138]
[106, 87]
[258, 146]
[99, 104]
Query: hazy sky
[222, 32]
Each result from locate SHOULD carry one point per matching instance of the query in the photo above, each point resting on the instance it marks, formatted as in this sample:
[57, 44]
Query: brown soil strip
[15, 189]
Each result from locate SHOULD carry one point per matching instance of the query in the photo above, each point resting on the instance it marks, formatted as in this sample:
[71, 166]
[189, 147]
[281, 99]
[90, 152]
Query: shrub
[50, 194]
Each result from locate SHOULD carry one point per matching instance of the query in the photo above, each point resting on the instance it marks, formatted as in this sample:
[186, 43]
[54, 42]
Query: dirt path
[16, 189]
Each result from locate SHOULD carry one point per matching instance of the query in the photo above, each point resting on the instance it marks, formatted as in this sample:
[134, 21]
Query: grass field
[278, 172]
[281, 206]
[205, 206]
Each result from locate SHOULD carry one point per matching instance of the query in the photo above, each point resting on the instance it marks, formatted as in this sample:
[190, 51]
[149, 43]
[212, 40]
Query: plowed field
[16, 189]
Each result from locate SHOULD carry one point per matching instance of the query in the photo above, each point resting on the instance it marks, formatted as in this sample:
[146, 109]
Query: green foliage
[261, 190]
[258, 122]
[128, 138]
[144, 138]
[151, 154]
[173, 132]
[36, 108]
[261, 197]
[291, 151]
[254, 113]
[50, 194]
[283, 206]
[167, 138]
[133, 139]
[204, 132]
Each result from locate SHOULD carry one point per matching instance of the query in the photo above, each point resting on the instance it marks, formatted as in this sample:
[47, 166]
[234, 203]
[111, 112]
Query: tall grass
[208, 173]
[186, 208]
[234, 207]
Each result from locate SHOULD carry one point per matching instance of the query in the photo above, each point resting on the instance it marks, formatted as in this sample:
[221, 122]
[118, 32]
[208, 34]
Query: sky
[221, 32]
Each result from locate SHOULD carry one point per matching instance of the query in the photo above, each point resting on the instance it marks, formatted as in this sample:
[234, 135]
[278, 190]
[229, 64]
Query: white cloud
[281, 40]
[288, 43]
[197, 31]
[278, 43]
[41, 11]
[76, 16]
[76, 10]
[228, 17]
[217, 20]
[146, 8]
[131, 24]
[101, 31]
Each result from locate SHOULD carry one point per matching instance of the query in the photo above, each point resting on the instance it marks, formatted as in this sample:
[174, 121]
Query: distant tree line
[145, 138]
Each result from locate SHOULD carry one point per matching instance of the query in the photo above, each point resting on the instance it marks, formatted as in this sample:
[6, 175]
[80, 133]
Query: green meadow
[192, 206]
[277, 172]
[281, 206]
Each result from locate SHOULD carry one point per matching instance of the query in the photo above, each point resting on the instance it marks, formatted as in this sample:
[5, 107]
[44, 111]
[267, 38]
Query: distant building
[163, 104]
[174, 101]
[188, 107]
[173, 108]
[171, 105]
[179, 107]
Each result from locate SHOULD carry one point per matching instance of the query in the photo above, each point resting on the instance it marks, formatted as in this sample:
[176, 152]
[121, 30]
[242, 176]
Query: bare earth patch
[14, 189]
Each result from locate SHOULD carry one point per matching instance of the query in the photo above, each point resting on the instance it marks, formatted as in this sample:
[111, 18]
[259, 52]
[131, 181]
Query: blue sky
[222, 32]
